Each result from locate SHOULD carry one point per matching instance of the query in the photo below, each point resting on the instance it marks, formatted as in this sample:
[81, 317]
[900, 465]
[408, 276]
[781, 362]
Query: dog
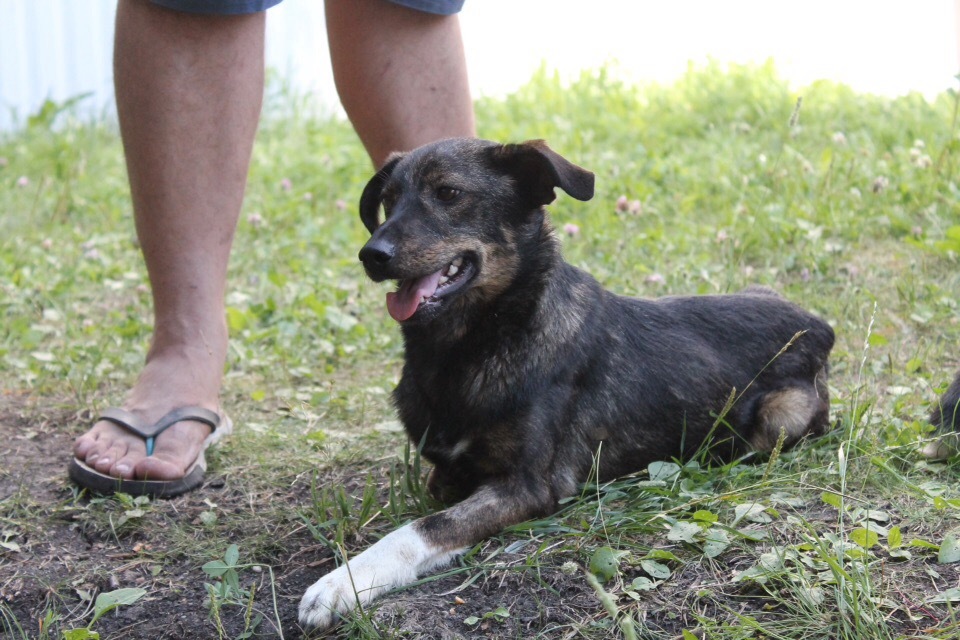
[523, 377]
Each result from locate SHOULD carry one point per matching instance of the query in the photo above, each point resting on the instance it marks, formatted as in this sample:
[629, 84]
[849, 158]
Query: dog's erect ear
[538, 169]
[371, 197]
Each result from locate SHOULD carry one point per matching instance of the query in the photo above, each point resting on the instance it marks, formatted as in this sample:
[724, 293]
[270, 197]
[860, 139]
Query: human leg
[401, 74]
[189, 89]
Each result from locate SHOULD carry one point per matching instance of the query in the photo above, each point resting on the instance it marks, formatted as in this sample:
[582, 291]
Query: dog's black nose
[377, 252]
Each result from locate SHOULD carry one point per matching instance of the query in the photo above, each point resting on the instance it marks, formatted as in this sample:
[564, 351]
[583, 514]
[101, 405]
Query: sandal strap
[149, 432]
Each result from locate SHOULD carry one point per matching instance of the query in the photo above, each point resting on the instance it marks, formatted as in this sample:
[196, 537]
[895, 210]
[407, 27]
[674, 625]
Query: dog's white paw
[394, 561]
[342, 590]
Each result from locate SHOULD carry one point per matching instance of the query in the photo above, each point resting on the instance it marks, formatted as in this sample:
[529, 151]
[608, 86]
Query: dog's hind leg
[400, 557]
[792, 413]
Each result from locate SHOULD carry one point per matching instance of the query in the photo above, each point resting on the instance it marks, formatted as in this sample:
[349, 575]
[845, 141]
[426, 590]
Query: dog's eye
[446, 194]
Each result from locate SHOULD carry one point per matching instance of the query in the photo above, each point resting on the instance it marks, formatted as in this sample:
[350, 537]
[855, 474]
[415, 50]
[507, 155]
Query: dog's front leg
[397, 559]
[402, 556]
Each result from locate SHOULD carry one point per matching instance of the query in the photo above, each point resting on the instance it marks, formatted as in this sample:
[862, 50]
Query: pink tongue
[405, 301]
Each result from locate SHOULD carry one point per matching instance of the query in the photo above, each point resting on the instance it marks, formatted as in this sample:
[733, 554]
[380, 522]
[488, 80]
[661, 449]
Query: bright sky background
[61, 48]
[881, 46]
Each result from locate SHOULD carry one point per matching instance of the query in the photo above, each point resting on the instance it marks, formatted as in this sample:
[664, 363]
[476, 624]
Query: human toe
[105, 461]
[123, 468]
[86, 445]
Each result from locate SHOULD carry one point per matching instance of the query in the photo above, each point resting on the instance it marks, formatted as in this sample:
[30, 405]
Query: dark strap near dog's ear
[371, 197]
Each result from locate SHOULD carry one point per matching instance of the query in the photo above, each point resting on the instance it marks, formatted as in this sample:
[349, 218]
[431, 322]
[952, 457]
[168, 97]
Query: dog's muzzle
[376, 256]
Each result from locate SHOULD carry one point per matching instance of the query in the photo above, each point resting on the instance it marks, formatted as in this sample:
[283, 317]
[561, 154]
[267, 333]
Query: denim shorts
[237, 7]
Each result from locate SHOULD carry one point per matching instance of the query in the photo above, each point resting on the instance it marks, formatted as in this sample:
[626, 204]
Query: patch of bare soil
[64, 557]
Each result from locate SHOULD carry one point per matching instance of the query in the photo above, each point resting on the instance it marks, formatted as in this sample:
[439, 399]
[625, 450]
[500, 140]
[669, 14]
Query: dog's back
[644, 380]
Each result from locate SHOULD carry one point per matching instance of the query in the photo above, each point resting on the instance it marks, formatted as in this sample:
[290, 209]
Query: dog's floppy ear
[538, 169]
[371, 197]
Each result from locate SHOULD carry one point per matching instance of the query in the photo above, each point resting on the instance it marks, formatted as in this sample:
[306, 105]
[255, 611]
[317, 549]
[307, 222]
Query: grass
[846, 203]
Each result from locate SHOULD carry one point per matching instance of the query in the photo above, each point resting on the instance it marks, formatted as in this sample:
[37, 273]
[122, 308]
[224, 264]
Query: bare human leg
[401, 74]
[189, 90]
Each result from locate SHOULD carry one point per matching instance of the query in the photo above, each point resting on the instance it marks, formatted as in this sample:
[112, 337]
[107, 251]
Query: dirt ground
[60, 565]
[69, 557]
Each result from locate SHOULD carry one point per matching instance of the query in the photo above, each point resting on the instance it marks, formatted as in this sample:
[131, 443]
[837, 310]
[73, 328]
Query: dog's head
[454, 212]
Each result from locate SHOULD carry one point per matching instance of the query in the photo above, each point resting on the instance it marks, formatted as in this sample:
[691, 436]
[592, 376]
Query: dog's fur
[522, 375]
[946, 417]
[947, 413]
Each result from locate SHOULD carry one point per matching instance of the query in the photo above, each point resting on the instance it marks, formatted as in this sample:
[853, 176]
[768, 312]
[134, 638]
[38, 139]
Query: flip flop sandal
[90, 478]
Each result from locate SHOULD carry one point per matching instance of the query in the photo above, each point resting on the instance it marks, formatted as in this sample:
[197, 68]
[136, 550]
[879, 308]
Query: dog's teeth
[457, 262]
[452, 270]
[443, 280]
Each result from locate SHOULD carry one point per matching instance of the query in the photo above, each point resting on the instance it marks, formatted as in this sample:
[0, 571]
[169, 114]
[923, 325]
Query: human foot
[177, 379]
[88, 477]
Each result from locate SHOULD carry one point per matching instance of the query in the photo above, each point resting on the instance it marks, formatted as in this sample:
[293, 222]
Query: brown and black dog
[522, 375]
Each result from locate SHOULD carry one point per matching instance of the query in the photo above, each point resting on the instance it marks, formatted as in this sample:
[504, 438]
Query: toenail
[123, 469]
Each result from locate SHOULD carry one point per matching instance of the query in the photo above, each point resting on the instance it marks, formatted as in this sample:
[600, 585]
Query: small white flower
[622, 204]
[23, 181]
[255, 220]
[654, 278]
[762, 158]
[286, 185]
[839, 138]
[635, 207]
[571, 230]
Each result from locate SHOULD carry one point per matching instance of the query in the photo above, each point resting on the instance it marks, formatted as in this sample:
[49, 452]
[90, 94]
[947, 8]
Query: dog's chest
[462, 409]
[478, 378]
